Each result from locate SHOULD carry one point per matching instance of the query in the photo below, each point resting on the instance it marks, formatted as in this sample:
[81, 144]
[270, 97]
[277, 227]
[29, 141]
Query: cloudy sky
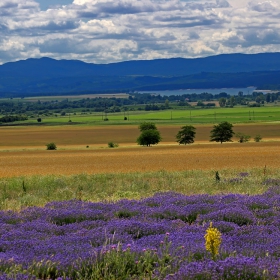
[104, 31]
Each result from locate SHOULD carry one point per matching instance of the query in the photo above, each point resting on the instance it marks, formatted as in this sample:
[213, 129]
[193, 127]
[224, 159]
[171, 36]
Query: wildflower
[244, 174]
[213, 239]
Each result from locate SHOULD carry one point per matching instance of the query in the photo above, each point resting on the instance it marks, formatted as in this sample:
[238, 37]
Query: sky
[106, 31]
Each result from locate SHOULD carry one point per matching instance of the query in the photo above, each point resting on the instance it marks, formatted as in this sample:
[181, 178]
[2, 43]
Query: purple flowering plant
[160, 237]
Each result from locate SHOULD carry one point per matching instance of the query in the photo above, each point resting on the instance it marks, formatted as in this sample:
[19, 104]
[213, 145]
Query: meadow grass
[20, 192]
[172, 116]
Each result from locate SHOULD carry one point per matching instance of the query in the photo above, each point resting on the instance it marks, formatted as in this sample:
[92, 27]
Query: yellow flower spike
[213, 240]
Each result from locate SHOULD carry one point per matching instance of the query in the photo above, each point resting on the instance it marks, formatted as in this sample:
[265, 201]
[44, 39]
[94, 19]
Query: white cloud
[103, 31]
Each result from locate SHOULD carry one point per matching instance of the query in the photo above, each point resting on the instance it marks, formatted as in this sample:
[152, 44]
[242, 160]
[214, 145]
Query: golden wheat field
[99, 136]
[130, 159]
[23, 150]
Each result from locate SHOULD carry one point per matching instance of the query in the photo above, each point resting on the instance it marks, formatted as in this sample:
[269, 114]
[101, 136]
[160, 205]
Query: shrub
[258, 138]
[39, 120]
[51, 146]
[242, 137]
[113, 145]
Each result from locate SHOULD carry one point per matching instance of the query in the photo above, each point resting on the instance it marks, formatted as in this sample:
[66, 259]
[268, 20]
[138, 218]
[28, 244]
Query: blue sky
[105, 31]
[45, 4]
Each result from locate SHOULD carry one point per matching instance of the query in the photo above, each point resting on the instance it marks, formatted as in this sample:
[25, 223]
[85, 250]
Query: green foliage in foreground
[112, 262]
[38, 190]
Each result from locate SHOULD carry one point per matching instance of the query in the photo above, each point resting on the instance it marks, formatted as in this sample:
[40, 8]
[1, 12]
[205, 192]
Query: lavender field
[161, 237]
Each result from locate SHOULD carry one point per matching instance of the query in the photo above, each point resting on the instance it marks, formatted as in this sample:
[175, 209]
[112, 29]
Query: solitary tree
[222, 132]
[186, 135]
[149, 134]
[146, 126]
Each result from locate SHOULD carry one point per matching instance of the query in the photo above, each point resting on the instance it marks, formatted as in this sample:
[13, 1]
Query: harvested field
[64, 136]
[141, 159]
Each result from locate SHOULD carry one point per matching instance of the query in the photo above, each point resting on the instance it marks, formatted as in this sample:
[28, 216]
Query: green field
[25, 191]
[195, 116]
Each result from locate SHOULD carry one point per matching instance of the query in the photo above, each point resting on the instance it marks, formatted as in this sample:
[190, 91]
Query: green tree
[222, 132]
[200, 103]
[186, 135]
[222, 102]
[147, 126]
[149, 134]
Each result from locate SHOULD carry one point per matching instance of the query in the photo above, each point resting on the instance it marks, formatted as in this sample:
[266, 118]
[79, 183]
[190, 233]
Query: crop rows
[139, 159]
[160, 237]
[99, 135]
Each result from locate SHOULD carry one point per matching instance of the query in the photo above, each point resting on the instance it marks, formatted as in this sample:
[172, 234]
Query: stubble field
[24, 152]
[140, 159]
[75, 136]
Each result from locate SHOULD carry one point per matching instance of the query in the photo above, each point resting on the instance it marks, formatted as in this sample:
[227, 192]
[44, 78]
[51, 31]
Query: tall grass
[20, 192]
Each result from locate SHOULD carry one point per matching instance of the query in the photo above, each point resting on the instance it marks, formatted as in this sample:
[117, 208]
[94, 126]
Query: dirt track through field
[142, 159]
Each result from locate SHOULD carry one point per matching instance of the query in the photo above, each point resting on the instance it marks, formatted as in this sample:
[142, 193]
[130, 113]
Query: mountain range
[50, 76]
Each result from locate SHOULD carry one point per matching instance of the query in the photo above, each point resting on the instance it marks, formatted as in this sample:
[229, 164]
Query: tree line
[135, 101]
[222, 132]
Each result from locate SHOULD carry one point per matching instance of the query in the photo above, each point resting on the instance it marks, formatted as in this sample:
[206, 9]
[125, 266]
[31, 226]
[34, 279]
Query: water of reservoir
[230, 91]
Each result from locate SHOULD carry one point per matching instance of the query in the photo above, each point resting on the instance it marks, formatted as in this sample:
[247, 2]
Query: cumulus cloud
[103, 31]
[266, 6]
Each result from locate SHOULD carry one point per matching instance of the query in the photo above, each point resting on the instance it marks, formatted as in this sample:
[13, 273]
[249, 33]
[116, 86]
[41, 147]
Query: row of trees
[135, 101]
[222, 132]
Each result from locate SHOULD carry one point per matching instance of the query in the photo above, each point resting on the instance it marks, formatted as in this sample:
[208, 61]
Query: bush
[113, 145]
[51, 146]
[258, 138]
[242, 137]
[39, 120]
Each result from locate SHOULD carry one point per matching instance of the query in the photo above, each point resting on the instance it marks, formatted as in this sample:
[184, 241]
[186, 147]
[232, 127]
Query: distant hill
[46, 75]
